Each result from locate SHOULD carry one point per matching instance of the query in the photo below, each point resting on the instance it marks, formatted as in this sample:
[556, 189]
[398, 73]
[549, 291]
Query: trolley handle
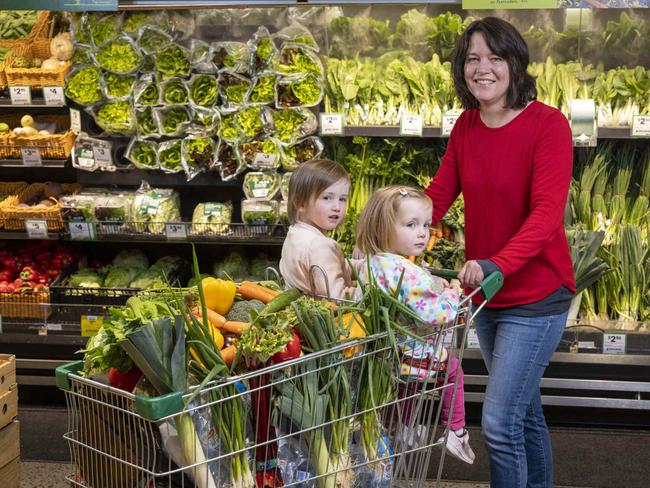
[489, 287]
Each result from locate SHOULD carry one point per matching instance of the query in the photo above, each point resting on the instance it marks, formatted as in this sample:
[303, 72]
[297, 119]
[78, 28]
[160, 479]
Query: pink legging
[454, 373]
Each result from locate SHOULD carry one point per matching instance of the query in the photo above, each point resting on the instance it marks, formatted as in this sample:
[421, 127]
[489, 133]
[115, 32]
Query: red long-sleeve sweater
[515, 182]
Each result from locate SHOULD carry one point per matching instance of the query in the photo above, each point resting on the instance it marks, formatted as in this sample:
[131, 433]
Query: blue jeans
[516, 351]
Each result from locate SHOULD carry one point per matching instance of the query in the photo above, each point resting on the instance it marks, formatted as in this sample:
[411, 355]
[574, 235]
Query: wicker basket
[41, 29]
[10, 191]
[36, 77]
[14, 217]
[54, 146]
[13, 45]
[25, 305]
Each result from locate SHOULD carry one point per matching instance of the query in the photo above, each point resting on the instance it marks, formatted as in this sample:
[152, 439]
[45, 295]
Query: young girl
[318, 195]
[393, 225]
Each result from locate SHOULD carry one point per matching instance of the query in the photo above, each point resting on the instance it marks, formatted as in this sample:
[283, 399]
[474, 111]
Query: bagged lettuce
[300, 152]
[299, 90]
[229, 162]
[119, 56]
[212, 218]
[174, 92]
[291, 124]
[297, 34]
[147, 124]
[172, 121]
[117, 87]
[170, 156]
[260, 154]
[154, 207]
[261, 185]
[204, 121]
[263, 91]
[234, 89]
[231, 56]
[255, 121]
[263, 51]
[199, 155]
[143, 154]
[203, 90]
[116, 118]
[146, 92]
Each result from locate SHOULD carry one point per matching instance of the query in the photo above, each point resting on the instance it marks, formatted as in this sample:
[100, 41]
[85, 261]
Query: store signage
[508, 4]
[102, 155]
[641, 126]
[53, 95]
[80, 231]
[264, 160]
[31, 156]
[614, 343]
[90, 324]
[411, 125]
[448, 122]
[75, 120]
[176, 231]
[472, 339]
[331, 124]
[36, 229]
[20, 95]
[60, 4]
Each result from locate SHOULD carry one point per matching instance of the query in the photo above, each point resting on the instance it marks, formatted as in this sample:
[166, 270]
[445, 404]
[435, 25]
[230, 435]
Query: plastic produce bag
[117, 87]
[284, 185]
[234, 89]
[102, 27]
[300, 152]
[83, 85]
[292, 124]
[297, 34]
[135, 20]
[212, 218]
[199, 155]
[113, 212]
[299, 91]
[295, 58]
[261, 154]
[229, 162]
[261, 185]
[201, 56]
[146, 92]
[231, 56]
[119, 56]
[172, 60]
[153, 207]
[92, 154]
[116, 118]
[205, 121]
[78, 208]
[143, 154]
[263, 90]
[263, 51]
[229, 130]
[170, 157]
[151, 39]
[284, 212]
[174, 92]
[172, 121]
[147, 124]
[260, 214]
[255, 121]
[203, 90]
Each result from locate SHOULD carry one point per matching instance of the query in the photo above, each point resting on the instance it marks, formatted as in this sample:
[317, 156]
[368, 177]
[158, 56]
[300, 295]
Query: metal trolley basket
[123, 440]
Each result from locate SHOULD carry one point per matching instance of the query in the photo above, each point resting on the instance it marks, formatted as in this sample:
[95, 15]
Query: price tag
[31, 156]
[472, 339]
[411, 125]
[55, 327]
[90, 324]
[586, 345]
[36, 229]
[81, 230]
[102, 155]
[264, 160]
[20, 95]
[75, 120]
[614, 343]
[53, 95]
[448, 122]
[641, 126]
[176, 231]
[331, 124]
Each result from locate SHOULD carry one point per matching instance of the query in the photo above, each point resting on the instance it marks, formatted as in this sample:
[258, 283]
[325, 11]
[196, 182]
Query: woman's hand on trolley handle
[471, 275]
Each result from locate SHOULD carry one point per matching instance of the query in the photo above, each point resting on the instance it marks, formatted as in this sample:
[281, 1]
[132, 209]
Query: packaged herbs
[254, 121]
[116, 118]
[198, 155]
[263, 91]
[174, 92]
[203, 90]
[259, 212]
[261, 185]
[300, 152]
[169, 156]
[261, 154]
[117, 87]
[172, 121]
[119, 56]
[172, 60]
[211, 218]
[299, 91]
[233, 89]
[232, 56]
[293, 123]
[230, 165]
[83, 85]
[143, 154]
[147, 126]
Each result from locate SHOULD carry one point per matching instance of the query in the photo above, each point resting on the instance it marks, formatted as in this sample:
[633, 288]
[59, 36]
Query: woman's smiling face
[487, 75]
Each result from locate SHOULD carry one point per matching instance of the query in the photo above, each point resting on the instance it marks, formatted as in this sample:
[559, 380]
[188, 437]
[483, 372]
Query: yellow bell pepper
[219, 294]
[353, 322]
[217, 336]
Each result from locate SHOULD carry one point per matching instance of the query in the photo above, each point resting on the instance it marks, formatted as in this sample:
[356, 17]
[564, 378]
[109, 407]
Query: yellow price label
[90, 324]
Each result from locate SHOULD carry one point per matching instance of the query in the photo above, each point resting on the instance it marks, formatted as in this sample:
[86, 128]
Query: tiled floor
[52, 475]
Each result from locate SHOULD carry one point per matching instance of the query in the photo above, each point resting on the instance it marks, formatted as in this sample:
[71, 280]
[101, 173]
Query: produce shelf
[45, 163]
[134, 177]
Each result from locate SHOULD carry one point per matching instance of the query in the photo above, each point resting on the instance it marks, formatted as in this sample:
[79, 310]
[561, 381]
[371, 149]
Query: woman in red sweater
[511, 157]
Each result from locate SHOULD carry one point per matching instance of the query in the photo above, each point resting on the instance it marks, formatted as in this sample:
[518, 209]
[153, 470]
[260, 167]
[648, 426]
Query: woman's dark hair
[505, 41]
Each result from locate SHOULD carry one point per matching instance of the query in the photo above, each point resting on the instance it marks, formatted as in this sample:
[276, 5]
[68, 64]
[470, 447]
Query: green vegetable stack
[116, 118]
[84, 87]
[119, 57]
[172, 61]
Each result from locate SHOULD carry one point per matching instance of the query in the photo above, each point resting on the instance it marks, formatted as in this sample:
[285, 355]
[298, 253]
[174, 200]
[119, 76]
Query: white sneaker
[415, 436]
[458, 445]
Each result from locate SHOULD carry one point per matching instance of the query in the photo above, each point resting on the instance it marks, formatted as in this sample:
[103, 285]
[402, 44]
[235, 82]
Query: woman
[511, 157]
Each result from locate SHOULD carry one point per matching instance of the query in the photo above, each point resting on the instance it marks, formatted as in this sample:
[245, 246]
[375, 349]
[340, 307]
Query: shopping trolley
[331, 429]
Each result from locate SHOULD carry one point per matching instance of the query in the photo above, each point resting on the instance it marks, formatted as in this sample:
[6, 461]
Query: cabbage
[234, 265]
[120, 276]
[151, 278]
[131, 258]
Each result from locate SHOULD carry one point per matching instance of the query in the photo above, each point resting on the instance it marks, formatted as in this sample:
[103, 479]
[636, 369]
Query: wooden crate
[10, 474]
[7, 372]
[8, 407]
[9, 444]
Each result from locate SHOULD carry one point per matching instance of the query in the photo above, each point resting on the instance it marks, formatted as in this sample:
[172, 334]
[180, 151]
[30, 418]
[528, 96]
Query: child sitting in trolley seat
[395, 224]
[318, 196]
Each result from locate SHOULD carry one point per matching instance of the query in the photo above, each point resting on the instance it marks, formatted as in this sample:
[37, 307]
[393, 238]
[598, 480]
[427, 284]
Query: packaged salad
[170, 156]
[143, 154]
[233, 89]
[229, 163]
[299, 90]
[291, 124]
[260, 154]
[231, 56]
[199, 155]
[255, 121]
[261, 185]
[172, 121]
[119, 56]
[153, 208]
[300, 152]
[212, 218]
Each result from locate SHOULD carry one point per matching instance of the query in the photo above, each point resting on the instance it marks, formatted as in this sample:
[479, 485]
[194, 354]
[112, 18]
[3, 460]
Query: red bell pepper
[6, 275]
[124, 381]
[29, 274]
[291, 351]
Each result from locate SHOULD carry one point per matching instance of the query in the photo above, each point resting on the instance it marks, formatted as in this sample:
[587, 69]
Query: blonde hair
[377, 219]
[309, 181]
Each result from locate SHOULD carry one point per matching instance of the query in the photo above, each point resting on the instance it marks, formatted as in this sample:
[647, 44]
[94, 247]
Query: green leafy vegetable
[299, 91]
[264, 89]
[251, 120]
[104, 29]
[118, 86]
[170, 156]
[118, 57]
[153, 40]
[229, 129]
[211, 218]
[198, 153]
[204, 90]
[143, 154]
[175, 92]
[149, 95]
[294, 59]
[262, 185]
[116, 118]
[173, 120]
[171, 61]
[134, 21]
[84, 87]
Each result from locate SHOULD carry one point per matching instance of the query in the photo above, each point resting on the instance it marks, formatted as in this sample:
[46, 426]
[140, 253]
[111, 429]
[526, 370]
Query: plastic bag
[170, 156]
[259, 212]
[204, 121]
[298, 34]
[113, 212]
[201, 56]
[78, 208]
[234, 90]
[300, 152]
[119, 56]
[261, 185]
[117, 87]
[174, 92]
[199, 155]
[147, 124]
[172, 60]
[146, 92]
[203, 90]
[263, 51]
[102, 27]
[229, 162]
[263, 90]
[260, 154]
[291, 124]
[116, 118]
[92, 154]
[229, 130]
[284, 212]
[212, 218]
[295, 58]
[143, 154]
[83, 85]
[255, 121]
[284, 185]
[231, 56]
[153, 207]
[152, 39]
[172, 121]
[299, 91]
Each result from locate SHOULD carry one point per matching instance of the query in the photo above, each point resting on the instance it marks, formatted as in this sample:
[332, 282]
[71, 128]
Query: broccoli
[240, 310]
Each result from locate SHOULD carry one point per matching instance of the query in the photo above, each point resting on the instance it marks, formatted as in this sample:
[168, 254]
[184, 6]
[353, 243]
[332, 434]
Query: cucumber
[282, 301]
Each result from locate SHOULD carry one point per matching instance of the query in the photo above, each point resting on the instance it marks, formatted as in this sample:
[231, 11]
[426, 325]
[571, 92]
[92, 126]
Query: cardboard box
[8, 406]
[10, 474]
[9, 444]
[7, 371]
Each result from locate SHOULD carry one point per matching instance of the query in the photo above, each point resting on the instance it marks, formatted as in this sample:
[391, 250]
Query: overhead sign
[509, 4]
[104, 5]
